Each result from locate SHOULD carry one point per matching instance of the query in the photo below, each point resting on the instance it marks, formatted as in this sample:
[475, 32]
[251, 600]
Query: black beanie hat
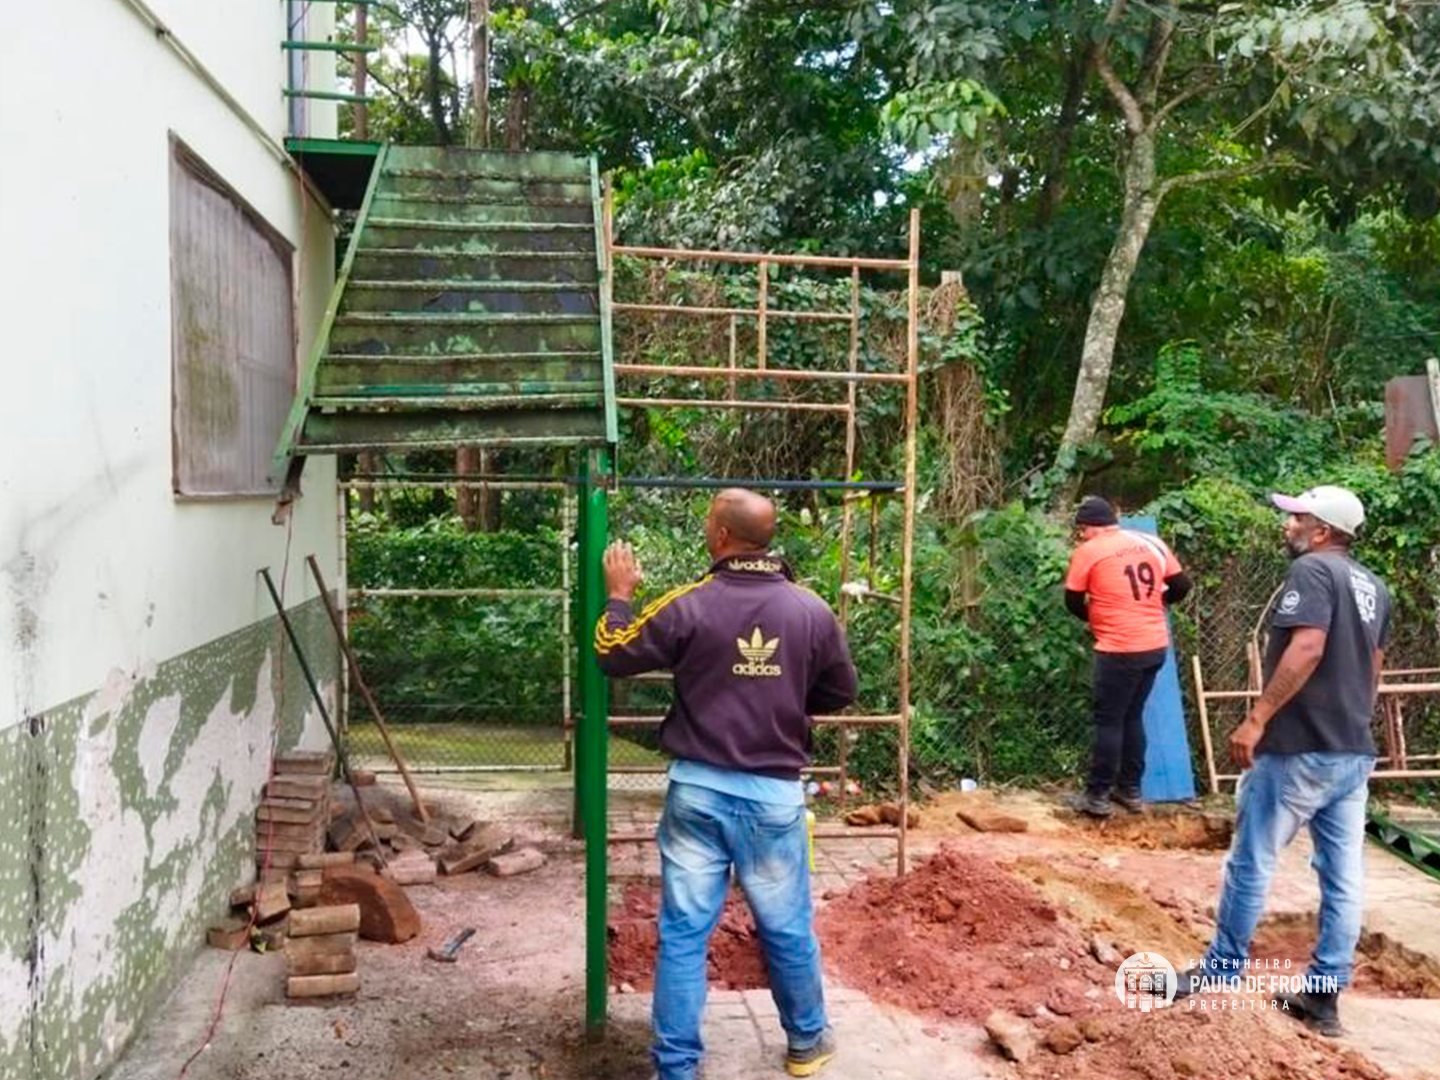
[1095, 511]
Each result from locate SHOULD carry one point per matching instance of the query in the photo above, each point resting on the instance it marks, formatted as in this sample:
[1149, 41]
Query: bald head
[740, 521]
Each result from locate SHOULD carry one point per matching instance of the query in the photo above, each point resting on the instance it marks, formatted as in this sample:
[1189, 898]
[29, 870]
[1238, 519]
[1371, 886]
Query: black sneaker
[1096, 806]
[810, 1061]
[1318, 1012]
[1128, 800]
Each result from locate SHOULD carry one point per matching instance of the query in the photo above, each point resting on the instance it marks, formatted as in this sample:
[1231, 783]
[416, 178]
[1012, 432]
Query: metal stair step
[464, 403]
[471, 297]
[423, 184]
[442, 428]
[503, 163]
[480, 237]
[479, 226]
[457, 264]
[475, 211]
[341, 375]
[378, 335]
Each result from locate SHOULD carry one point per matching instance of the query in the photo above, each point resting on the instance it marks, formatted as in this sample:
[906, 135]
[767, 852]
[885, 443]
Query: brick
[272, 938]
[381, 814]
[307, 762]
[348, 834]
[321, 859]
[271, 902]
[309, 986]
[386, 913]
[281, 845]
[280, 861]
[987, 819]
[306, 878]
[336, 917]
[434, 836]
[387, 830]
[290, 811]
[485, 842]
[269, 832]
[362, 777]
[516, 862]
[230, 935]
[242, 895]
[298, 786]
[462, 831]
[340, 963]
[322, 944]
[412, 868]
[403, 842]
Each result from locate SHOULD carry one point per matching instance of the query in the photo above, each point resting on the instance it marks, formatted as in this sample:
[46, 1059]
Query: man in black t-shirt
[1307, 750]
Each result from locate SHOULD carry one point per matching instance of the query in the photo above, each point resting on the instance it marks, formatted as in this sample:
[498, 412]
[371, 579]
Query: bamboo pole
[761, 330]
[736, 312]
[842, 262]
[847, 506]
[912, 409]
[730, 365]
[359, 682]
[1205, 726]
[731, 373]
[721, 403]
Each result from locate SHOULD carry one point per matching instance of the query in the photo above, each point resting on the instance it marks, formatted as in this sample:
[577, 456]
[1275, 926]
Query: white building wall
[103, 568]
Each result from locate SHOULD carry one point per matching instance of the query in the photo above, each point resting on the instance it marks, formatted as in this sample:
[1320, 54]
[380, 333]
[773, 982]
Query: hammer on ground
[446, 953]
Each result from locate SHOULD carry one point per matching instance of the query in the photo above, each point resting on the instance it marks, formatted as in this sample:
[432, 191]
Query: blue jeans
[703, 833]
[1326, 791]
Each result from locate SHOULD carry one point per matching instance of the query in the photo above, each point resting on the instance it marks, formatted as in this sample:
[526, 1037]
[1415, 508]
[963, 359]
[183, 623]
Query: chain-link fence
[1000, 675]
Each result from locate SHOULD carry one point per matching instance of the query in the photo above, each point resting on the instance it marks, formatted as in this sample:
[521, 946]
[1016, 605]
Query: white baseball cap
[1336, 506]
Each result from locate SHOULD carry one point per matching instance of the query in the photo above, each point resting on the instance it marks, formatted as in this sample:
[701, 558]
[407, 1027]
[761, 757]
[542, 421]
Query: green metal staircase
[470, 310]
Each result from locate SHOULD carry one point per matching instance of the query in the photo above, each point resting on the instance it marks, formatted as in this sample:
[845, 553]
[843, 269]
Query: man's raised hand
[622, 571]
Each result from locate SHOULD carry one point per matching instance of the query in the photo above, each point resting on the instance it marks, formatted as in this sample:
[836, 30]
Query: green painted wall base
[128, 817]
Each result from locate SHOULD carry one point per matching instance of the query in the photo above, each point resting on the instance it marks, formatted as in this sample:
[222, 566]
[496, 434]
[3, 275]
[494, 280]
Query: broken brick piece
[386, 913]
[516, 862]
[362, 777]
[321, 859]
[271, 901]
[412, 868]
[308, 986]
[987, 819]
[242, 895]
[463, 831]
[230, 935]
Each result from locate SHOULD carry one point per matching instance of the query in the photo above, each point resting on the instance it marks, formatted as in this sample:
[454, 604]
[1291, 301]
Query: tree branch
[1204, 86]
[1234, 172]
[1157, 52]
[1134, 118]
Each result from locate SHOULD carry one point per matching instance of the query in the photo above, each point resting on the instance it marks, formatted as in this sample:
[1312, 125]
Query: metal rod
[324, 711]
[361, 113]
[593, 737]
[566, 629]
[773, 313]
[847, 508]
[692, 371]
[698, 255]
[432, 770]
[907, 554]
[721, 403]
[705, 482]
[859, 720]
[485, 594]
[501, 485]
[353, 665]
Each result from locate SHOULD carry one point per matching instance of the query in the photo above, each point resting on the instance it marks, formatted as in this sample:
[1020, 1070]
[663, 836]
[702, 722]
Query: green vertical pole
[591, 745]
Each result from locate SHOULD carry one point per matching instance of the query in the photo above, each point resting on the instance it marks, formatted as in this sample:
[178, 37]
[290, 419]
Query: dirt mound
[1383, 967]
[735, 963]
[1160, 827]
[959, 936]
[1182, 1044]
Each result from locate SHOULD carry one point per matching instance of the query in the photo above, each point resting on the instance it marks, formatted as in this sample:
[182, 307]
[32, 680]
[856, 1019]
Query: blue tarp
[1169, 776]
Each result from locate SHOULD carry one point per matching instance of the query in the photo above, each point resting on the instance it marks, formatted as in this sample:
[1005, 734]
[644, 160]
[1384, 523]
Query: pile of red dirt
[958, 936]
[735, 963]
[1181, 1044]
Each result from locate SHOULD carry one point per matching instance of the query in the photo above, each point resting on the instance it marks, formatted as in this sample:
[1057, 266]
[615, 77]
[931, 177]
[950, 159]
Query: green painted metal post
[591, 745]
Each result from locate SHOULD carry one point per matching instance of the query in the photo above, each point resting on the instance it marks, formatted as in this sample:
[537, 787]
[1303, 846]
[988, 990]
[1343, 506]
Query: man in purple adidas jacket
[754, 656]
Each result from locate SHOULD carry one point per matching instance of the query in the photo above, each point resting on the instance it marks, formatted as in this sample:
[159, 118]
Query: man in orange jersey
[1120, 582]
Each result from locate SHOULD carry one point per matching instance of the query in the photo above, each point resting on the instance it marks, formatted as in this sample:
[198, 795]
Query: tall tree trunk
[1077, 78]
[480, 83]
[433, 92]
[1097, 355]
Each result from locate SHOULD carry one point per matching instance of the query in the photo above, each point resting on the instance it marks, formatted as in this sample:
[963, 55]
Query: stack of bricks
[295, 812]
[320, 952]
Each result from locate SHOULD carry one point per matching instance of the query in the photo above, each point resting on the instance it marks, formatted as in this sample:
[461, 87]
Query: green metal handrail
[305, 391]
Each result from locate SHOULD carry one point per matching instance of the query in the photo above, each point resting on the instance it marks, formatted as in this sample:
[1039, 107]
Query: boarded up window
[232, 334]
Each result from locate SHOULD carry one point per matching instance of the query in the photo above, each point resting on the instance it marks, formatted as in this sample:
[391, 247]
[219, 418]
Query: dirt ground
[1021, 921]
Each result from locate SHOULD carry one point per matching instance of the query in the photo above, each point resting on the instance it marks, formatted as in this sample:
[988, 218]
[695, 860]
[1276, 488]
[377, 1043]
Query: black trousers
[1122, 683]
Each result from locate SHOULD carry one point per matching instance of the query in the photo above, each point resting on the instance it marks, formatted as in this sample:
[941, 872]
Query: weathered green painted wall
[125, 820]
